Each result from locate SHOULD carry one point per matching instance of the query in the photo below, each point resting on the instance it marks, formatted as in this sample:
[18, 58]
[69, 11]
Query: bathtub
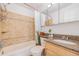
[21, 49]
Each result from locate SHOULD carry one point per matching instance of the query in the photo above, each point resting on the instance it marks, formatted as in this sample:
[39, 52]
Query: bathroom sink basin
[64, 42]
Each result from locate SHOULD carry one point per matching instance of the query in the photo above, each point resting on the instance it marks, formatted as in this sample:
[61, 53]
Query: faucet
[63, 37]
[67, 38]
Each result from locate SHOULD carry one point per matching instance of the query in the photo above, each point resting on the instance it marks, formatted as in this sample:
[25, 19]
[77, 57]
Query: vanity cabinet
[56, 50]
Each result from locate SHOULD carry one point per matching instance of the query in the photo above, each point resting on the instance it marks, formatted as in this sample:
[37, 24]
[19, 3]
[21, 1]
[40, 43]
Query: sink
[64, 42]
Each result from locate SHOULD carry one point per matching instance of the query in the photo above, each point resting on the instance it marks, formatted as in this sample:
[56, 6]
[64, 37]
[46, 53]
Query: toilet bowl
[37, 50]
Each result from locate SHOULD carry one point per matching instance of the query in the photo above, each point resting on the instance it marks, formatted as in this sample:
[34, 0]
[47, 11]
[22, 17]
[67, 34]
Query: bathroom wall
[20, 9]
[66, 14]
[69, 21]
[70, 28]
[19, 25]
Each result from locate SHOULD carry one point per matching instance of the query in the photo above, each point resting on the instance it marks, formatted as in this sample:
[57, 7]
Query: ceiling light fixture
[52, 3]
[49, 5]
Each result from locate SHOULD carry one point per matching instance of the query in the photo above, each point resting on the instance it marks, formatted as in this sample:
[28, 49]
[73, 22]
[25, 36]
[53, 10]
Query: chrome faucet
[67, 38]
[63, 37]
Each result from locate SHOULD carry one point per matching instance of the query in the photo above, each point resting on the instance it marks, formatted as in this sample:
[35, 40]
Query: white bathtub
[21, 49]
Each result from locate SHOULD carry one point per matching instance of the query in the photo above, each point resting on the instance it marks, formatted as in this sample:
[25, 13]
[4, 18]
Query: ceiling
[56, 7]
[43, 7]
[39, 6]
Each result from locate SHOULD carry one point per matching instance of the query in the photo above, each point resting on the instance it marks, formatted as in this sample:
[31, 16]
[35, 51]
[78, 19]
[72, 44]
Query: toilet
[37, 50]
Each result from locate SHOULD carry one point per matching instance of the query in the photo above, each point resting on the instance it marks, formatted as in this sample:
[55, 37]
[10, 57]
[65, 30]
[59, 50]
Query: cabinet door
[60, 51]
[49, 52]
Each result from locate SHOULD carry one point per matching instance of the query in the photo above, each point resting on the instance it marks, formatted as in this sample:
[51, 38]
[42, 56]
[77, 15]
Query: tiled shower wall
[16, 28]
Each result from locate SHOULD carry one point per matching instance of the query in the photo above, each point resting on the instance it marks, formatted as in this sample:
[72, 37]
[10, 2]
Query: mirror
[60, 13]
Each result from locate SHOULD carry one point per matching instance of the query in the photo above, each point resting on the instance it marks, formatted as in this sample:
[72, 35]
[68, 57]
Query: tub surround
[16, 29]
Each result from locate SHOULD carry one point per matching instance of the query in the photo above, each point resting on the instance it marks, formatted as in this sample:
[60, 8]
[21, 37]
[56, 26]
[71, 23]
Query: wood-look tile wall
[16, 29]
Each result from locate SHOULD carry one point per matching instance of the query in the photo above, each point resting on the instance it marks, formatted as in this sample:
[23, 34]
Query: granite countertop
[74, 46]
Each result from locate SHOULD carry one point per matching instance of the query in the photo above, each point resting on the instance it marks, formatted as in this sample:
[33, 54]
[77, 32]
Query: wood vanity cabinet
[56, 50]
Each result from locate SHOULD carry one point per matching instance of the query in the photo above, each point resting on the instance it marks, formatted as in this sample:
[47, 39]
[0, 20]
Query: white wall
[71, 28]
[55, 17]
[67, 14]
[37, 24]
[20, 9]
[37, 21]
[43, 18]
